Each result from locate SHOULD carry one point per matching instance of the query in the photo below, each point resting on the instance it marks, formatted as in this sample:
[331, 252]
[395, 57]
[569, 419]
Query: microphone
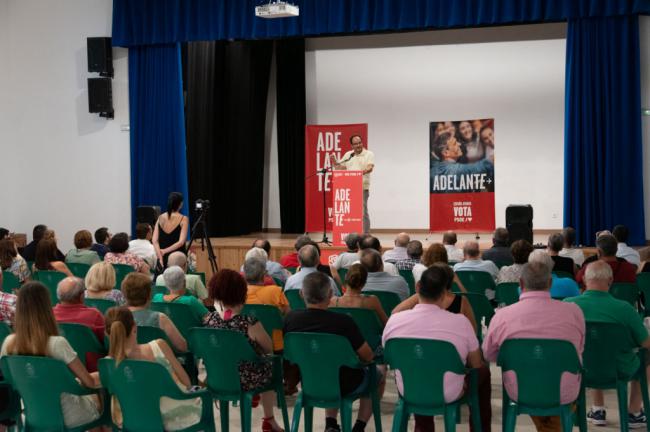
[348, 159]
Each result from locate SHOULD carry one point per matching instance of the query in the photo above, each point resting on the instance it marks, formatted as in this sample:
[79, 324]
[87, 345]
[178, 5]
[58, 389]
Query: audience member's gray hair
[536, 276]
[76, 288]
[254, 269]
[556, 242]
[414, 249]
[471, 249]
[174, 278]
[371, 260]
[177, 259]
[308, 256]
[599, 270]
[316, 288]
[540, 256]
[607, 244]
[258, 253]
[352, 241]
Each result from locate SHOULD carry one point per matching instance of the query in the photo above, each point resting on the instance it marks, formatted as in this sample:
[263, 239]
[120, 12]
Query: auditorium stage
[230, 251]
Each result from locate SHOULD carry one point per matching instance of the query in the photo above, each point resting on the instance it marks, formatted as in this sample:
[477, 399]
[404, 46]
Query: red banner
[321, 141]
[348, 204]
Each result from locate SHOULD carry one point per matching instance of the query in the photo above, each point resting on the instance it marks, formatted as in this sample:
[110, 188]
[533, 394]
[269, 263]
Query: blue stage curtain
[158, 160]
[147, 22]
[603, 180]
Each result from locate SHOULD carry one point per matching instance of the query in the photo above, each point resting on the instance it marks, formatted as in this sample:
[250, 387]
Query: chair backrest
[343, 272]
[388, 300]
[538, 365]
[268, 315]
[603, 344]
[121, 270]
[78, 269]
[101, 305]
[5, 331]
[10, 282]
[563, 274]
[50, 279]
[292, 270]
[476, 281]
[423, 363]
[222, 352]
[410, 280]
[180, 314]
[82, 339]
[147, 334]
[279, 282]
[40, 382]
[625, 291]
[159, 289]
[643, 282]
[507, 293]
[319, 357]
[295, 299]
[367, 321]
[480, 306]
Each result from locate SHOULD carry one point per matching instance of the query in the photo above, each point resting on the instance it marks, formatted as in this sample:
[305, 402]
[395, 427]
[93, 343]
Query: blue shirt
[295, 281]
[564, 287]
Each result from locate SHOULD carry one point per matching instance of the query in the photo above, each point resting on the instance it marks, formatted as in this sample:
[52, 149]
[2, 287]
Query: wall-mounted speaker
[100, 97]
[519, 222]
[100, 55]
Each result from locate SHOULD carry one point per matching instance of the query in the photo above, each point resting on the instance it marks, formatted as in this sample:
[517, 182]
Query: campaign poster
[461, 155]
[348, 205]
[321, 141]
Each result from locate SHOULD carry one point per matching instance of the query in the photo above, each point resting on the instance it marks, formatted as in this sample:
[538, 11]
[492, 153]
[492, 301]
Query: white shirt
[577, 255]
[417, 271]
[145, 250]
[454, 254]
[478, 265]
[359, 162]
[628, 254]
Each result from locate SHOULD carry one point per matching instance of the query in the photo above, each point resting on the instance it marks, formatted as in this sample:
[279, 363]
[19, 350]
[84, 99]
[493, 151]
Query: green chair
[138, 385]
[200, 274]
[12, 410]
[507, 293]
[295, 299]
[10, 282]
[476, 281]
[268, 315]
[159, 289]
[82, 339]
[408, 277]
[538, 365]
[180, 314]
[279, 282]
[292, 270]
[388, 300]
[343, 272]
[101, 305]
[40, 382]
[628, 292]
[319, 357]
[423, 363]
[78, 269]
[643, 282]
[222, 352]
[367, 321]
[482, 309]
[50, 279]
[603, 343]
[5, 331]
[501, 264]
[121, 270]
[455, 288]
[563, 274]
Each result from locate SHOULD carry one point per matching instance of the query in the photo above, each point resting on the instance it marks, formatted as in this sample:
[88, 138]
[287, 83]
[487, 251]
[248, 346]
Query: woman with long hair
[122, 331]
[170, 232]
[36, 334]
[355, 280]
[12, 262]
[47, 259]
[468, 138]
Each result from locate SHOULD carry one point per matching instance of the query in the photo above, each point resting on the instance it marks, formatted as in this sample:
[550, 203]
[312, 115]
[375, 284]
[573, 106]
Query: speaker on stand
[519, 222]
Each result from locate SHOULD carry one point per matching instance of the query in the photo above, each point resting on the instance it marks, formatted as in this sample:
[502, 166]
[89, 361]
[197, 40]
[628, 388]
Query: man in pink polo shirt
[429, 320]
[536, 315]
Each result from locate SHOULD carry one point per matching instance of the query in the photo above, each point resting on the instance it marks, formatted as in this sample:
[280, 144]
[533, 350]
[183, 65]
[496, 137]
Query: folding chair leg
[621, 391]
[246, 409]
[282, 403]
[450, 417]
[510, 418]
[295, 422]
[581, 410]
[398, 417]
[376, 410]
[643, 381]
[309, 418]
[224, 415]
[567, 419]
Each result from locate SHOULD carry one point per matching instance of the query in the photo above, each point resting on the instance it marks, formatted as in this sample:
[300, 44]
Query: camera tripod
[200, 230]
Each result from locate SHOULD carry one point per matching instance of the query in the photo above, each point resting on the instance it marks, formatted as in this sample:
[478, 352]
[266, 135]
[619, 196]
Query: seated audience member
[12, 262]
[369, 242]
[317, 293]
[4, 233]
[175, 282]
[449, 240]
[119, 245]
[622, 270]
[499, 253]
[36, 334]
[261, 255]
[512, 273]
[554, 246]
[355, 280]
[560, 287]
[595, 257]
[46, 258]
[193, 283]
[71, 307]
[291, 260]
[100, 283]
[137, 290]
[349, 257]
[122, 333]
[414, 252]
[536, 315]
[569, 250]
[258, 292]
[398, 252]
[102, 237]
[81, 253]
[7, 306]
[309, 258]
[621, 233]
[429, 319]
[141, 246]
[273, 269]
[435, 253]
[228, 292]
[29, 251]
[597, 304]
[473, 262]
[452, 302]
[378, 279]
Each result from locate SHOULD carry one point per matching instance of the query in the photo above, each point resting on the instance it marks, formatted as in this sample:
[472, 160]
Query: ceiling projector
[277, 9]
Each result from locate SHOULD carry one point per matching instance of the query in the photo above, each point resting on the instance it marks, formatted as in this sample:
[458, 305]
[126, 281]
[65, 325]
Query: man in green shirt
[599, 305]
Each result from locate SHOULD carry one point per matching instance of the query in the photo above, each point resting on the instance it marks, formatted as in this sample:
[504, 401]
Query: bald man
[193, 283]
[71, 308]
[399, 252]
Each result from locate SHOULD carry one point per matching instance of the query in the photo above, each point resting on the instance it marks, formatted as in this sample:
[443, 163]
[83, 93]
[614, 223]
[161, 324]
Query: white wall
[61, 165]
[644, 37]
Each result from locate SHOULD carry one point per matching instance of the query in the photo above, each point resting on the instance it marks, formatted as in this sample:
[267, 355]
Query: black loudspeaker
[100, 97]
[100, 55]
[519, 222]
[147, 214]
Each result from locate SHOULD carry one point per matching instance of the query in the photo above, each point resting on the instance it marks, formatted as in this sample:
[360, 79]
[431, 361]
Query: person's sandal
[267, 426]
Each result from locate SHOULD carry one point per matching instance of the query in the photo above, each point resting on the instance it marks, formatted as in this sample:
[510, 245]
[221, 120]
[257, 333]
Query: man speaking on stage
[358, 159]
